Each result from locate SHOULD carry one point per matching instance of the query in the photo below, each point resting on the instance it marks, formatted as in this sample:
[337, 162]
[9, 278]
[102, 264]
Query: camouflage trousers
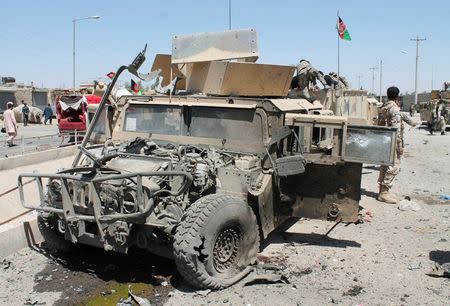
[388, 173]
[441, 124]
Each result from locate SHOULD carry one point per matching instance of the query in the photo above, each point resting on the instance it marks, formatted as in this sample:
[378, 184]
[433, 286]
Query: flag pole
[338, 59]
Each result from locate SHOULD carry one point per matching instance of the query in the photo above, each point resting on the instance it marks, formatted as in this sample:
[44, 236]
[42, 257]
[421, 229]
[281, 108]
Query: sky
[36, 37]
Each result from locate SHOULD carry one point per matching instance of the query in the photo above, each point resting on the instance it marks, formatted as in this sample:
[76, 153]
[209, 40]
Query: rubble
[353, 291]
[440, 271]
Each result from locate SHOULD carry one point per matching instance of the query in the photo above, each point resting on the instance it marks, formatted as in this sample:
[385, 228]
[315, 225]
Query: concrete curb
[21, 236]
[35, 158]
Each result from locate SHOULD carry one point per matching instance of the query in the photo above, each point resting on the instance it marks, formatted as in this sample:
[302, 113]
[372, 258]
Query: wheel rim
[226, 249]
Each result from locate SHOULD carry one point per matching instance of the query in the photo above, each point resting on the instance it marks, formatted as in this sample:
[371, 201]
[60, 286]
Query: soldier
[412, 109]
[441, 114]
[307, 74]
[390, 115]
[341, 81]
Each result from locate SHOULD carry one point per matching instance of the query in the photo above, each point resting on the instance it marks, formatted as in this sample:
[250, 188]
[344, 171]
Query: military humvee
[202, 179]
[428, 110]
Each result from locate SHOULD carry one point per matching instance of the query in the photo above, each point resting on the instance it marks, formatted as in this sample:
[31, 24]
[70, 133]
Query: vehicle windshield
[226, 123]
[155, 119]
[206, 122]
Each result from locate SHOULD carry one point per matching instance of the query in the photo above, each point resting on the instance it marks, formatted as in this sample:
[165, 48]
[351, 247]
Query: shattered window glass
[369, 146]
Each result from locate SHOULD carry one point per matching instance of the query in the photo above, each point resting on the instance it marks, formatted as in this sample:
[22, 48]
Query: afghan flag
[342, 30]
[111, 75]
[135, 87]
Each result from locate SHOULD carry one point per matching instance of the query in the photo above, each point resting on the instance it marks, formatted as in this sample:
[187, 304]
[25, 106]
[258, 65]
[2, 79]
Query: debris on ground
[203, 292]
[440, 270]
[33, 301]
[415, 267]
[264, 277]
[407, 204]
[275, 263]
[305, 271]
[353, 291]
[6, 264]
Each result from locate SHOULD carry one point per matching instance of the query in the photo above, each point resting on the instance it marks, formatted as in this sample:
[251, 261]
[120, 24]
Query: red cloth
[67, 125]
[92, 99]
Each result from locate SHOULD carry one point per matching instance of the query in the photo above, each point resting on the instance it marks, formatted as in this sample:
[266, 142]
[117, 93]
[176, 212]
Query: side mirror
[290, 165]
[287, 165]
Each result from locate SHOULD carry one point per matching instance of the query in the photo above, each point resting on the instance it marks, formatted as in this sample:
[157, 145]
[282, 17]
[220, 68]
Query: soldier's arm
[407, 119]
[395, 118]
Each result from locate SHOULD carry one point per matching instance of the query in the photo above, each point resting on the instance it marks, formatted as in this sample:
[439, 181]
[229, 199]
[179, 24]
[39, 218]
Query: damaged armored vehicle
[205, 173]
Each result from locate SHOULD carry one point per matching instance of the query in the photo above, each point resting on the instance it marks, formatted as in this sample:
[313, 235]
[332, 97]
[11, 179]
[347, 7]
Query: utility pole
[359, 81]
[373, 78]
[74, 24]
[432, 75]
[229, 14]
[381, 77]
[417, 40]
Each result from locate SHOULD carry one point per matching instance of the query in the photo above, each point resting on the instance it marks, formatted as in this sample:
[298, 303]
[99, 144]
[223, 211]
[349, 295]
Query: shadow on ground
[281, 236]
[310, 239]
[440, 257]
[371, 167]
[368, 193]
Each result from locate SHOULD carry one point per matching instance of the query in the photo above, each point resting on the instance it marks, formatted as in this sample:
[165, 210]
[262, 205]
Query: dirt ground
[382, 261]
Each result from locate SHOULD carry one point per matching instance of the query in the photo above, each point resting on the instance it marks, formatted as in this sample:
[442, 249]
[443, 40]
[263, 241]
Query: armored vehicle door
[324, 182]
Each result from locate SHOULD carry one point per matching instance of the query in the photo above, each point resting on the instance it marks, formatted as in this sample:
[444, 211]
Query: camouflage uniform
[341, 82]
[307, 74]
[440, 114]
[390, 115]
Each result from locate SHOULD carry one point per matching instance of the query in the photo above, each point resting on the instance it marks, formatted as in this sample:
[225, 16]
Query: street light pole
[373, 78]
[229, 14]
[417, 39]
[73, 62]
[381, 77]
[432, 76]
[74, 26]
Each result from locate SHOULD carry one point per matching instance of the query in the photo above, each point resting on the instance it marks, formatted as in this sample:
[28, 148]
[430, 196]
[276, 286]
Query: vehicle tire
[215, 241]
[54, 240]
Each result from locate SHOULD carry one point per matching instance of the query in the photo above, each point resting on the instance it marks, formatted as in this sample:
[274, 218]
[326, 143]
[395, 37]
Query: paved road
[37, 137]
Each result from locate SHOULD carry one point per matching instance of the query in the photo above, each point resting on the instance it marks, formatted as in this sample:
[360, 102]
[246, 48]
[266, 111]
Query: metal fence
[25, 145]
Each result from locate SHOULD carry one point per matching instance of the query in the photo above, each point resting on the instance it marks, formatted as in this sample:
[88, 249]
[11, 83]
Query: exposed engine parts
[110, 178]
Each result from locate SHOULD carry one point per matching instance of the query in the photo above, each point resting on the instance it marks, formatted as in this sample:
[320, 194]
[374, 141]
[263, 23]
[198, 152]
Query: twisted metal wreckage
[202, 174]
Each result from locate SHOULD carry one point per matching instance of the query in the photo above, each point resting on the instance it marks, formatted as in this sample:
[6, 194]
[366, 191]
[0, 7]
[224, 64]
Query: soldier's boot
[385, 196]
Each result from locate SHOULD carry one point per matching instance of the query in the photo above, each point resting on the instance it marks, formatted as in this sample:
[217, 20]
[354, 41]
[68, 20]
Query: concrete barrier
[35, 158]
[25, 234]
